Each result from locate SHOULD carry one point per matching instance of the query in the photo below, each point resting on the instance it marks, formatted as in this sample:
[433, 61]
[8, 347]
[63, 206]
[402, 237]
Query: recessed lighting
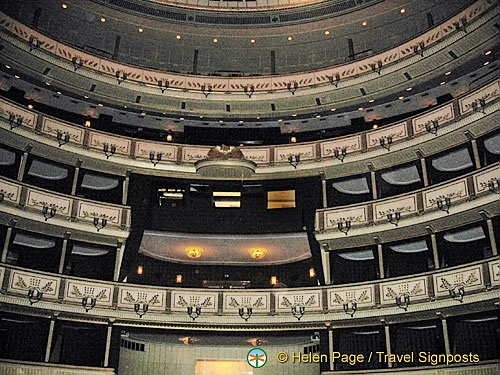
[280, 120]
[252, 40]
[125, 106]
[318, 116]
[258, 117]
[64, 6]
[85, 96]
[327, 32]
[103, 19]
[221, 121]
[486, 63]
[447, 73]
[333, 109]
[360, 108]
[487, 53]
[178, 36]
[140, 270]
[241, 121]
[200, 116]
[100, 105]
[7, 66]
[401, 97]
[290, 37]
[30, 106]
[409, 89]
[182, 118]
[47, 83]
[16, 76]
[141, 30]
[364, 23]
[371, 100]
[169, 138]
[143, 113]
[442, 83]
[375, 126]
[403, 10]
[59, 92]
[293, 140]
[216, 40]
[294, 115]
[88, 124]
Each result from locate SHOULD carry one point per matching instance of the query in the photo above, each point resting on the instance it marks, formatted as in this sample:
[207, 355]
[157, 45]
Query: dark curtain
[80, 344]
[359, 341]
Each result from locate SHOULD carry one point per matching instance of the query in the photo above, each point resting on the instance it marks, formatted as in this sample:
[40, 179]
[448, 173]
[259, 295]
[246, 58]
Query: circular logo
[256, 358]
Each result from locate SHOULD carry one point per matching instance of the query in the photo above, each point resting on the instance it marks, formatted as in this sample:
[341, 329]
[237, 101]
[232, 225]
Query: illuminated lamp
[274, 280]
[194, 252]
[87, 124]
[312, 273]
[140, 270]
[178, 279]
[257, 252]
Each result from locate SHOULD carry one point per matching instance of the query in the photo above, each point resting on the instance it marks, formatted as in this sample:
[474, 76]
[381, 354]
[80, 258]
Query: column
[22, 165]
[491, 233]
[475, 151]
[63, 252]
[6, 243]
[374, 184]
[325, 260]
[323, 189]
[51, 334]
[435, 251]
[330, 348]
[424, 171]
[75, 177]
[387, 342]
[118, 261]
[446, 338]
[125, 188]
[380, 260]
[108, 342]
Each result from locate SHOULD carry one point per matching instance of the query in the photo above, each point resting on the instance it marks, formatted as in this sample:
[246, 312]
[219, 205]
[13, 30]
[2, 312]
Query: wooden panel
[306, 152]
[52, 128]
[37, 200]
[181, 300]
[357, 215]
[89, 211]
[456, 191]
[259, 302]
[397, 132]
[11, 192]
[75, 291]
[311, 300]
[21, 282]
[406, 206]
[415, 288]
[129, 296]
[442, 115]
[487, 93]
[364, 296]
[471, 278]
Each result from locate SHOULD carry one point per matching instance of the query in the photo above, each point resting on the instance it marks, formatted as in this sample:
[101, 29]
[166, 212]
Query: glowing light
[216, 40]
[364, 23]
[312, 273]
[409, 89]
[486, 63]
[178, 36]
[401, 97]
[375, 126]
[487, 53]
[252, 40]
[194, 252]
[447, 73]
[7, 66]
[103, 19]
[274, 280]
[140, 270]
[293, 140]
[371, 100]
[290, 37]
[442, 83]
[178, 279]
[327, 32]
[333, 109]
[360, 108]
[64, 6]
[257, 252]
[88, 124]
[169, 138]
[100, 105]
[16, 76]
[403, 10]
[30, 106]
[141, 30]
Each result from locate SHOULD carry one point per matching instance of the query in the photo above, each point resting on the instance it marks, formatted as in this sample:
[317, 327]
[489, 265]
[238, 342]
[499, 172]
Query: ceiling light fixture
[327, 32]
[364, 23]
[293, 140]
[257, 252]
[252, 40]
[409, 89]
[443, 83]
[178, 36]
[30, 106]
[290, 37]
[103, 19]
[141, 30]
[401, 97]
[375, 126]
[486, 63]
[403, 10]
[487, 53]
[216, 40]
[64, 6]
[447, 73]
[194, 252]
[7, 66]
[371, 100]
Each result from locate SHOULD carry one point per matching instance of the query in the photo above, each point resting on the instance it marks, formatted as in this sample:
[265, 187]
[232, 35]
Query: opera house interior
[249, 187]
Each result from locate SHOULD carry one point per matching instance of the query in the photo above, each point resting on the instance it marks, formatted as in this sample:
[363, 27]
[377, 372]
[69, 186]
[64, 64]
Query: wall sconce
[403, 301]
[99, 224]
[274, 280]
[88, 303]
[152, 157]
[386, 142]
[479, 105]
[494, 185]
[34, 43]
[457, 293]
[194, 314]
[292, 87]
[77, 62]
[300, 313]
[62, 138]
[394, 218]
[432, 127]
[350, 308]
[245, 314]
[141, 308]
[206, 90]
[48, 212]
[461, 24]
[34, 295]
[344, 227]
[121, 76]
[376, 68]
[163, 85]
[419, 49]
[294, 160]
[340, 154]
[249, 90]
[444, 206]
[108, 150]
[15, 121]
[334, 80]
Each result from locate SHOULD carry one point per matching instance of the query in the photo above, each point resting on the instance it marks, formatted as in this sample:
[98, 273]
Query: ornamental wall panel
[193, 154]
[75, 291]
[311, 300]
[494, 268]
[259, 302]
[406, 206]
[306, 152]
[98, 140]
[52, 128]
[11, 191]
[442, 115]
[257, 155]
[456, 191]
[357, 215]
[143, 150]
[11, 112]
[396, 132]
[88, 211]
[351, 144]
[482, 179]
[364, 296]
[21, 282]
[415, 288]
[181, 300]
[471, 278]
[154, 298]
[487, 93]
[38, 199]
